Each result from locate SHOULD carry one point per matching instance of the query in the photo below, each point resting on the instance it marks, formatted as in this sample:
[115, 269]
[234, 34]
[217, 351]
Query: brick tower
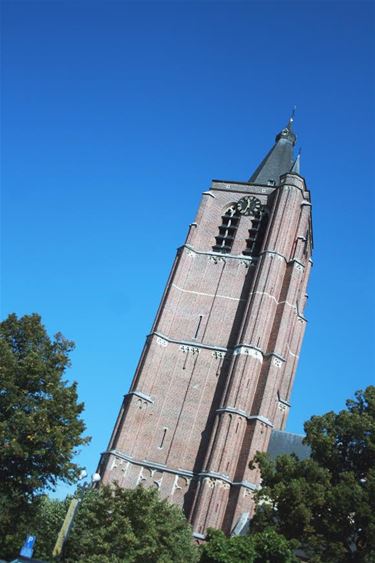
[217, 369]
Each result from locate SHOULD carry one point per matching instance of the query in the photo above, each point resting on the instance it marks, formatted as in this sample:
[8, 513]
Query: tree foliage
[326, 502]
[121, 525]
[263, 547]
[40, 424]
[47, 520]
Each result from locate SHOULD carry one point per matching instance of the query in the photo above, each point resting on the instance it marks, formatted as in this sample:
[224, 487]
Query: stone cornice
[182, 472]
[240, 412]
[140, 395]
[249, 259]
[239, 349]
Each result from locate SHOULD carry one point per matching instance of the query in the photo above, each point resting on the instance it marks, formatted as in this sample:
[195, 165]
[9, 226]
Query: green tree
[47, 520]
[40, 424]
[263, 547]
[121, 525]
[326, 502]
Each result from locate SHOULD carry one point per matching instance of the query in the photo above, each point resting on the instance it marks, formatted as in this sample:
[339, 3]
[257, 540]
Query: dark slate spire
[279, 160]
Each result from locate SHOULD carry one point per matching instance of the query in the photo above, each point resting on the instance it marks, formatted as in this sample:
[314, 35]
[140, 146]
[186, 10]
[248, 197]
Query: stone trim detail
[261, 418]
[215, 259]
[284, 402]
[246, 485]
[210, 194]
[161, 341]
[200, 346]
[240, 412]
[140, 395]
[188, 343]
[294, 260]
[274, 253]
[248, 351]
[222, 185]
[219, 355]
[182, 472]
[192, 349]
[206, 294]
[218, 254]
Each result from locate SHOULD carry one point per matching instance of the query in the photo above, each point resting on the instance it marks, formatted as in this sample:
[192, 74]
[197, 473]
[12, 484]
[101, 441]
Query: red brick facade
[217, 369]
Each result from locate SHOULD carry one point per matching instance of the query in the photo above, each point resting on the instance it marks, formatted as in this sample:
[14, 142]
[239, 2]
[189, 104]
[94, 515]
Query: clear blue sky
[115, 118]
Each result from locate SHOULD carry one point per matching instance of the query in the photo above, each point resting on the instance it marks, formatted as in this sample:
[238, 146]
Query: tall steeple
[279, 160]
[216, 373]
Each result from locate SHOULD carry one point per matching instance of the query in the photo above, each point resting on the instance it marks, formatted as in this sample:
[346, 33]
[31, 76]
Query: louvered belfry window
[227, 230]
[256, 235]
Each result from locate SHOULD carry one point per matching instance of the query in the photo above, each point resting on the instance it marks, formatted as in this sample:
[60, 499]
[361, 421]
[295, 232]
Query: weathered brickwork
[217, 369]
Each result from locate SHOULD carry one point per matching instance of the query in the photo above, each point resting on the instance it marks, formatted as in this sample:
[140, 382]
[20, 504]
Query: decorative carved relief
[216, 259]
[218, 355]
[161, 341]
[277, 362]
[224, 485]
[145, 475]
[157, 477]
[185, 348]
[210, 482]
[180, 485]
[245, 263]
[141, 404]
[120, 465]
[216, 483]
[299, 267]
[150, 477]
[248, 352]
[191, 253]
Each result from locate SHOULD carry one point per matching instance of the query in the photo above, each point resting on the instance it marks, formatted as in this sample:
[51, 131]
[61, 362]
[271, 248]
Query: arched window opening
[256, 235]
[227, 230]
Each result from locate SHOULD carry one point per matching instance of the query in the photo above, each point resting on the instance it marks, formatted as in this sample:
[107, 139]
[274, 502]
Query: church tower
[216, 373]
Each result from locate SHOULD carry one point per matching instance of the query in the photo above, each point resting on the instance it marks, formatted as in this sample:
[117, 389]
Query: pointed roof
[279, 160]
[296, 165]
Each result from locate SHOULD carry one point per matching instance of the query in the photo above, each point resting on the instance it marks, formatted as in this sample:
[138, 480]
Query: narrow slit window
[198, 326]
[185, 360]
[163, 438]
[227, 231]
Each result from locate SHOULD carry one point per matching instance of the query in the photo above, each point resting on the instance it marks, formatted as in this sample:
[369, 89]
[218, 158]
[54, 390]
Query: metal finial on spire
[279, 159]
[288, 132]
[291, 118]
